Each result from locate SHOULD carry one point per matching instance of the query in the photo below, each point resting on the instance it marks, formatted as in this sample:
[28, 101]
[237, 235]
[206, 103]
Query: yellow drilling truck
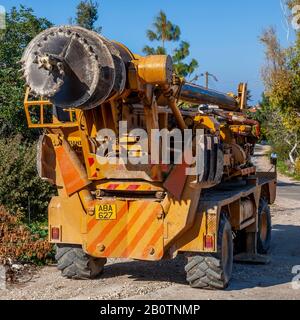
[82, 88]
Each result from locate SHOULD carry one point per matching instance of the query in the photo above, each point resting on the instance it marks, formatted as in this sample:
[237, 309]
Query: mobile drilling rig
[80, 83]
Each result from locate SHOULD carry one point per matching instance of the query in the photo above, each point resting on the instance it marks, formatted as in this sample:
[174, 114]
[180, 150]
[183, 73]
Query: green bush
[21, 189]
[285, 169]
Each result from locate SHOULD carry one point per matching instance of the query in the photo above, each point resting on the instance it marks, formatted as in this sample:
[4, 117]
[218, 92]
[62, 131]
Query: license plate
[106, 212]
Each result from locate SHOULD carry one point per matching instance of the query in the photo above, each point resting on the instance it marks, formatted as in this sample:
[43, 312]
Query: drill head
[73, 67]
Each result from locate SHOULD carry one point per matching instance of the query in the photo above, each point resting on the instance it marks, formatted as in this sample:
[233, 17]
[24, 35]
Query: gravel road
[125, 279]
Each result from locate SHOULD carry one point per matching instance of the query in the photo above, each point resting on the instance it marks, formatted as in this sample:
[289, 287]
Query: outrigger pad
[251, 258]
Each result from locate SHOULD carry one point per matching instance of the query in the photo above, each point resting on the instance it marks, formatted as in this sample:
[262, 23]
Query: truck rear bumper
[135, 229]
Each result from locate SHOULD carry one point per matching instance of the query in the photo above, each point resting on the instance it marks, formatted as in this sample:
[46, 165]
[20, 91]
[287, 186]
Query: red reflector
[91, 161]
[209, 242]
[55, 234]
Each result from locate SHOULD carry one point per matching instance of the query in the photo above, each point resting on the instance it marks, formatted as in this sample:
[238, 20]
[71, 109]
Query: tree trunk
[293, 161]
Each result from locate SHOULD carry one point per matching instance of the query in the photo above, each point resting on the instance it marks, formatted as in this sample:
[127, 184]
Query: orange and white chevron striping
[136, 233]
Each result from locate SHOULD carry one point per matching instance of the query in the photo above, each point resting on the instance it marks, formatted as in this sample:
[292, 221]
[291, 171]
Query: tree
[87, 15]
[21, 27]
[274, 129]
[180, 54]
[20, 186]
[276, 74]
[281, 76]
[165, 31]
[21, 189]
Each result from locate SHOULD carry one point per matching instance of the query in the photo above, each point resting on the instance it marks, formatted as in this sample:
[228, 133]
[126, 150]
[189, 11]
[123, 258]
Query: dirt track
[166, 280]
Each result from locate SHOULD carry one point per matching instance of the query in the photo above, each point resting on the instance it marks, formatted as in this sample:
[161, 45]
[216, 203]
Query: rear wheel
[74, 263]
[213, 271]
[264, 227]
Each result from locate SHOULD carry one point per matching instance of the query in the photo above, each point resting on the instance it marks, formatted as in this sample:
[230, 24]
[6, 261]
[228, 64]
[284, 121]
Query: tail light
[55, 233]
[209, 242]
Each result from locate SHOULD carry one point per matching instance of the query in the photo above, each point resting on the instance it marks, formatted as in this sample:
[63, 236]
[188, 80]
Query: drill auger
[78, 68]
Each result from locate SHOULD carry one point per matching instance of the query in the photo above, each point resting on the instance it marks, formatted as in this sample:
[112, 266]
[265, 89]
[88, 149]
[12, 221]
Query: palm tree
[165, 31]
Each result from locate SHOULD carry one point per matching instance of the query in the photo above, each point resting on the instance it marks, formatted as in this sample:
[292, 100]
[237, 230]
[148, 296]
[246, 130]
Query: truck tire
[74, 263]
[213, 271]
[264, 227]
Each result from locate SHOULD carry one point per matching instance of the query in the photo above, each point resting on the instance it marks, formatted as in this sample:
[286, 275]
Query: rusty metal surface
[46, 160]
[73, 67]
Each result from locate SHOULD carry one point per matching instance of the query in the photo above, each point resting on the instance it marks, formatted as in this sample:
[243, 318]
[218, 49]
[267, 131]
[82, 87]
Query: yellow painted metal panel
[137, 232]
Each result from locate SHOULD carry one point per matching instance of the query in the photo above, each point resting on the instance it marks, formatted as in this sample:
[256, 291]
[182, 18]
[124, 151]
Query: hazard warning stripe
[133, 187]
[91, 161]
[92, 166]
[122, 234]
[91, 224]
[137, 232]
[140, 234]
[112, 186]
[157, 236]
[107, 229]
[126, 187]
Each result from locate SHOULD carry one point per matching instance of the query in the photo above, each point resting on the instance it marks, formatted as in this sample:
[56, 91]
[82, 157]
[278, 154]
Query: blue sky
[223, 34]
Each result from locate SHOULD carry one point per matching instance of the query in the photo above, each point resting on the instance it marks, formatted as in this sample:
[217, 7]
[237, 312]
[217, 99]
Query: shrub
[21, 189]
[19, 243]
